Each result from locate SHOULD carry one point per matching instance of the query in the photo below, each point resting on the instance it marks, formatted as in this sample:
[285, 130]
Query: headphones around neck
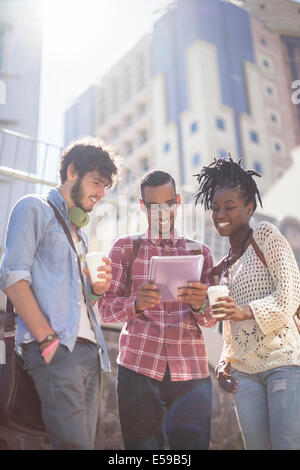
[79, 217]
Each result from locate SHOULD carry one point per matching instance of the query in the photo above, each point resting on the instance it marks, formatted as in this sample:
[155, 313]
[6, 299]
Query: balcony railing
[27, 165]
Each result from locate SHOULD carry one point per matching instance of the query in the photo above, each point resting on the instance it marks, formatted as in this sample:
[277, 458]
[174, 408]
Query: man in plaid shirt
[164, 385]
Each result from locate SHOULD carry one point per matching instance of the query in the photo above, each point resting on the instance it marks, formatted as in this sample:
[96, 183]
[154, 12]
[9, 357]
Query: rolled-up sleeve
[26, 226]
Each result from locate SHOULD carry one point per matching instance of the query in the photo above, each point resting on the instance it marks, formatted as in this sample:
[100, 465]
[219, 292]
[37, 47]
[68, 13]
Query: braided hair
[224, 172]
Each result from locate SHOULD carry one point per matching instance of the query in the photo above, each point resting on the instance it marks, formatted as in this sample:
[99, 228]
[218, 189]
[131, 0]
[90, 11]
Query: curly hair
[90, 154]
[224, 172]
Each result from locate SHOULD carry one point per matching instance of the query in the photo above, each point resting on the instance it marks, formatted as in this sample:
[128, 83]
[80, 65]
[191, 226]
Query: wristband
[48, 338]
[96, 297]
[49, 348]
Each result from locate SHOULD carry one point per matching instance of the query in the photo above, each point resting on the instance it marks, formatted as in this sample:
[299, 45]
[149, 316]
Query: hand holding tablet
[147, 297]
[169, 273]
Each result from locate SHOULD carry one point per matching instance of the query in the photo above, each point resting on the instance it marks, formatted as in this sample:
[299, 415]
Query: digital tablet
[169, 273]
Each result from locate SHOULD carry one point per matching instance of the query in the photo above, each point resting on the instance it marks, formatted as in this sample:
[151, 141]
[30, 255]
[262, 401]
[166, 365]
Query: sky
[82, 40]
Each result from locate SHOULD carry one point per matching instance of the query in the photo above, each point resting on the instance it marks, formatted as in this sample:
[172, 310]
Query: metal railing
[27, 165]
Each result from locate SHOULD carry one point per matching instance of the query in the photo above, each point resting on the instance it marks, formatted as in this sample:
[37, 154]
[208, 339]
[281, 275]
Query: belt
[84, 340]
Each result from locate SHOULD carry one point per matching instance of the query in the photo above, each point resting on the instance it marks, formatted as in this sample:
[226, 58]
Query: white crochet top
[271, 339]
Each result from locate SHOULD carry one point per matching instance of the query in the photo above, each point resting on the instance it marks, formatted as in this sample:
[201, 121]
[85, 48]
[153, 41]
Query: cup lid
[95, 253]
[219, 287]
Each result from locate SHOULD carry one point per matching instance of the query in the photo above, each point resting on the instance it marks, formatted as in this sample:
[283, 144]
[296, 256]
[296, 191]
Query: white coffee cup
[213, 293]
[94, 260]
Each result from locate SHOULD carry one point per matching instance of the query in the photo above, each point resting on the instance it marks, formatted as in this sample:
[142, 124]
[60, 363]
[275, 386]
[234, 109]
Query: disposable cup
[94, 260]
[213, 293]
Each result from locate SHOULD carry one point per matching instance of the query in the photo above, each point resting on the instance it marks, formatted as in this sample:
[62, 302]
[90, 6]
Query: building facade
[20, 64]
[213, 77]
[20, 67]
[118, 109]
[225, 76]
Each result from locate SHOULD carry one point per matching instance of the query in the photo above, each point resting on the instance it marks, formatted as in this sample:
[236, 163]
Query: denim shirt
[38, 251]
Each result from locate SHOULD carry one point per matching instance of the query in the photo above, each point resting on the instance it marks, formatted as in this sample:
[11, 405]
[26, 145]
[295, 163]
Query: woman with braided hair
[260, 362]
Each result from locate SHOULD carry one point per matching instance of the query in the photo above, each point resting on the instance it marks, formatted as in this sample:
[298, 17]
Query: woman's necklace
[232, 258]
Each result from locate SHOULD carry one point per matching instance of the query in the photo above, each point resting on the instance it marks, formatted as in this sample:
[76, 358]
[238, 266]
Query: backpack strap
[216, 271]
[193, 246]
[137, 241]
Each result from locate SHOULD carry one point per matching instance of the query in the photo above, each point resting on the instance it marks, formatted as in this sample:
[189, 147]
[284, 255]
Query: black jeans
[152, 411]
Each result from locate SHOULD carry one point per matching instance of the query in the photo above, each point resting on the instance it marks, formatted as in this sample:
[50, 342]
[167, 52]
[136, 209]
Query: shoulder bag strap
[63, 224]
[2, 342]
[135, 248]
[10, 318]
[258, 250]
[7, 327]
[70, 239]
[216, 271]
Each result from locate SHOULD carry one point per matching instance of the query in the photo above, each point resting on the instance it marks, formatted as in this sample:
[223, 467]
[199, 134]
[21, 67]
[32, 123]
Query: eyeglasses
[166, 206]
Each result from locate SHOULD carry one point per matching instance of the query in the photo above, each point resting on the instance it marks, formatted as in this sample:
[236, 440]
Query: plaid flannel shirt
[169, 333]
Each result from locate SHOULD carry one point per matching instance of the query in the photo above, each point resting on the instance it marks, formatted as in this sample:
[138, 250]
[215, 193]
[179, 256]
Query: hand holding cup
[98, 271]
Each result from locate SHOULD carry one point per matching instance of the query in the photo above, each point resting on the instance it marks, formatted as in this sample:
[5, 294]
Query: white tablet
[169, 273]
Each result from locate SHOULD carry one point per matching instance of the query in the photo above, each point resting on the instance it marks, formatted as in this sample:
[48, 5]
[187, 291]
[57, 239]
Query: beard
[77, 194]
[161, 231]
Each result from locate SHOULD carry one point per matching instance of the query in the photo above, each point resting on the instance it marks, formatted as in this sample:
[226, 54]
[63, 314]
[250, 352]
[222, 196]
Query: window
[270, 90]
[144, 164]
[142, 109]
[266, 63]
[102, 108]
[127, 84]
[167, 147]
[128, 121]
[114, 132]
[140, 72]
[258, 167]
[129, 148]
[114, 95]
[273, 118]
[222, 153]
[143, 137]
[196, 159]
[2, 92]
[220, 124]
[5, 34]
[254, 137]
[263, 41]
[277, 147]
[194, 127]
[262, 6]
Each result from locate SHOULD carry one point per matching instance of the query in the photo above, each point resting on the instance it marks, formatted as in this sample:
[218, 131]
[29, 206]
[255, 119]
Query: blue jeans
[268, 408]
[69, 392]
[151, 411]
